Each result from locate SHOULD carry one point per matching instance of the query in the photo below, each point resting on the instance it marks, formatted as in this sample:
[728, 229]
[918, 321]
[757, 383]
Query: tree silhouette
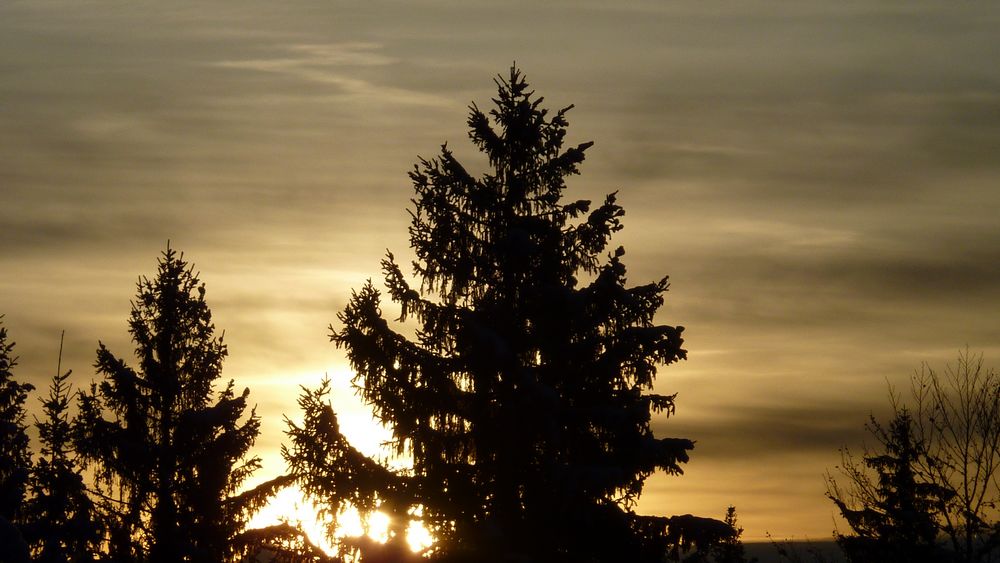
[280, 543]
[327, 467]
[730, 548]
[524, 400]
[15, 457]
[952, 425]
[957, 421]
[170, 459]
[893, 514]
[694, 539]
[62, 518]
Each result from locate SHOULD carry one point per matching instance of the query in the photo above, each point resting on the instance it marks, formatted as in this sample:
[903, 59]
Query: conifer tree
[893, 512]
[62, 517]
[173, 451]
[525, 400]
[280, 543]
[729, 548]
[15, 456]
[328, 468]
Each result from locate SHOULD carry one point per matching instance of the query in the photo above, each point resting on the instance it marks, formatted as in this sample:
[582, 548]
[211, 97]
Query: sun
[369, 437]
[291, 506]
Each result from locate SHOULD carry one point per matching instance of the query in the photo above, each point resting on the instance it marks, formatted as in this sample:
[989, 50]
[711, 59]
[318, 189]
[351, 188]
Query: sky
[818, 179]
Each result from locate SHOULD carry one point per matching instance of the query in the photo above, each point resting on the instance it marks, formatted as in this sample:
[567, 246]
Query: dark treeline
[524, 402]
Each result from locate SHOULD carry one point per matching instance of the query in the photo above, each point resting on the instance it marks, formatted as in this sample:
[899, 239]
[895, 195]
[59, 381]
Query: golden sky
[820, 180]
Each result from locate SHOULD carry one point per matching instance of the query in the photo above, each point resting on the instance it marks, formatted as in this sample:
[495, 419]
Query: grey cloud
[964, 134]
[923, 271]
[845, 152]
[753, 433]
[321, 63]
[860, 289]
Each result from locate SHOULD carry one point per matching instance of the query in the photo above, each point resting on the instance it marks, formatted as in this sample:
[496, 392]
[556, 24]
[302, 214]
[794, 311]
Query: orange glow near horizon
[369, 437]
[291, 506]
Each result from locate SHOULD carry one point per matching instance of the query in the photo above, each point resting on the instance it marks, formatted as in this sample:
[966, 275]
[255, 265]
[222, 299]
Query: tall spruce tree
[525, 399]
[170, 458]
[62, 518]
[15, 456]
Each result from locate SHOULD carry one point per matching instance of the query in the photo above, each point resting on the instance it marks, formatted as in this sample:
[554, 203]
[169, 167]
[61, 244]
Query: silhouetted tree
[893, 513]
[62, 517]
[730, 548]
[168, 451]
[280, 543]
[954, 430]
[15, 457]
[957, 422]
[524, 400]
[327, 467]
[694, 539]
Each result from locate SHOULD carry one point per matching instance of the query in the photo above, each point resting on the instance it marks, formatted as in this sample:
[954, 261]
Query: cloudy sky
[820, 180]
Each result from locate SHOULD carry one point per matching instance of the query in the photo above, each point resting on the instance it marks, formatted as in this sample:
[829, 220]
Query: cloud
[756, 433]
[325, 64]
[819, 181]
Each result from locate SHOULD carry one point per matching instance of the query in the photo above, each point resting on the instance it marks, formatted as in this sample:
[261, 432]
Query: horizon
[818, 182]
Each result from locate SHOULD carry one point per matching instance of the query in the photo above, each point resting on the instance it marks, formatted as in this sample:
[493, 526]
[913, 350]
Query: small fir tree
[893, 514]
[63, 523]
[173, 453]
[730, 548]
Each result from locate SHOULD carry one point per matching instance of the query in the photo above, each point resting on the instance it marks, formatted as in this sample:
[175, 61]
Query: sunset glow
[819, 180]
[369, 437]
[291, 506]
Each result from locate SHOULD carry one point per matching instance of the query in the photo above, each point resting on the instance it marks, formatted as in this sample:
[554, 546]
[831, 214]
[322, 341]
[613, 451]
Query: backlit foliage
[167, 449]
[524, 401]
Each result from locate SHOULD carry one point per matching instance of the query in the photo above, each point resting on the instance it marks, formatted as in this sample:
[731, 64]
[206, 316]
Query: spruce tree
[62, 517]
[525, 399]
[327, 468]
[892, 508]
[172, 452]
[15, 456]
[730, 549]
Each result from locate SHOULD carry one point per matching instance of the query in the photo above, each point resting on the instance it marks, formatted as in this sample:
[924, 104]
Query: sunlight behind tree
[290, 505]
[368, 436]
